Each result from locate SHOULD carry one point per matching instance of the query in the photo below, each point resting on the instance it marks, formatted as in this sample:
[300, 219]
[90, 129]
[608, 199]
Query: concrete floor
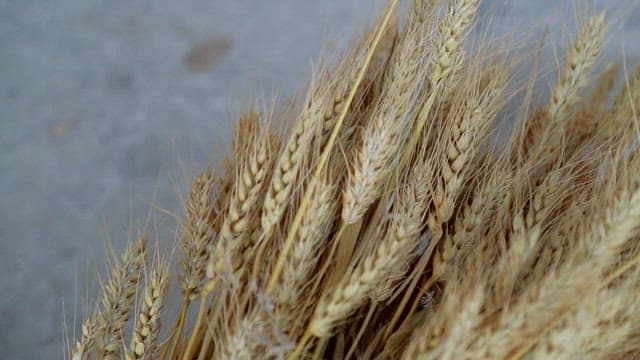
[106, 107]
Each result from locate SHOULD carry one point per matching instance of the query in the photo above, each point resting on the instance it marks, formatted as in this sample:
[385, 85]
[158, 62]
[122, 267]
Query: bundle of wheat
[388, 222]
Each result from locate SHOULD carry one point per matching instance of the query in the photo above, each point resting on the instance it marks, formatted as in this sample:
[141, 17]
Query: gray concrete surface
[106, 107]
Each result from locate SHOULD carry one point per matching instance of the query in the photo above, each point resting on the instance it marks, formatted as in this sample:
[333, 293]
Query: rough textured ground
[107, 106]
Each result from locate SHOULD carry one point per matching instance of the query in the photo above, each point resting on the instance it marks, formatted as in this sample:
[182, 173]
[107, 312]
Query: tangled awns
[424, 198]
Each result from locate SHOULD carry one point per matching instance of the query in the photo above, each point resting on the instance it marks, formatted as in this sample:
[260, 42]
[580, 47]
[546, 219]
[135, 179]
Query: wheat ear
[290, 161]
[452, 31]
[474, 217]
[386, 128]
[228, 255]
[196, 237]
[468, 126]
[119, 296]
[317, 221]
[377, 269]
[196, 240]
[447, 57]
[580, 59]
[385, 132]
[147, 329]
[526, 230]
[389, 119]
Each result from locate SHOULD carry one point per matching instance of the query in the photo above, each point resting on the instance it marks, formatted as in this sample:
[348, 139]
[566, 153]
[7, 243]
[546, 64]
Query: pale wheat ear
[144, 344]
[196, 239]
[579, 61]
[118, 298]
[297, 277]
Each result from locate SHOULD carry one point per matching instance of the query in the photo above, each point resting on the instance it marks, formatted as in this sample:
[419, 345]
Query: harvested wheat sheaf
[390, 222]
